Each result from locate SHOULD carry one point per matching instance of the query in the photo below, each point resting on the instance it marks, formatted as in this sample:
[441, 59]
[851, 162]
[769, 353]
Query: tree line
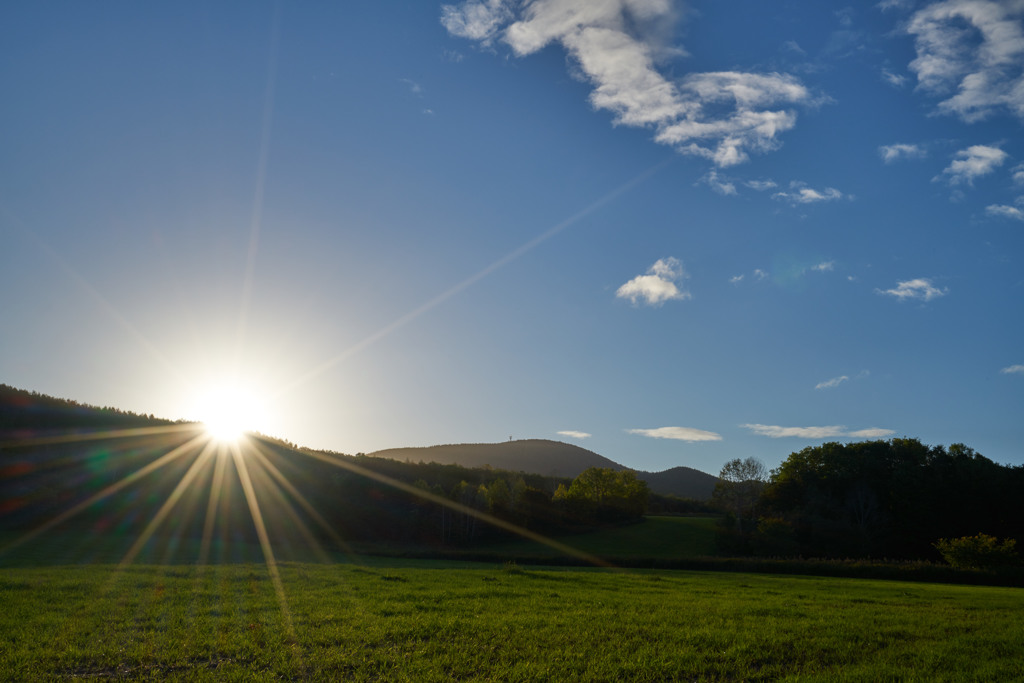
[450, 505]
[885, 499]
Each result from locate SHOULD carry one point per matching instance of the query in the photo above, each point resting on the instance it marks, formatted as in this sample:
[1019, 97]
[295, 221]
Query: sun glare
[228, 411]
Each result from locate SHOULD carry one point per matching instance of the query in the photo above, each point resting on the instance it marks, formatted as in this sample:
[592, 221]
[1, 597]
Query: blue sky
[673, 233]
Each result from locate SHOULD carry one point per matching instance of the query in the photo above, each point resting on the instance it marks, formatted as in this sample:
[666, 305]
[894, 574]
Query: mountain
[537, 456]
[684, 482]
[553, 459]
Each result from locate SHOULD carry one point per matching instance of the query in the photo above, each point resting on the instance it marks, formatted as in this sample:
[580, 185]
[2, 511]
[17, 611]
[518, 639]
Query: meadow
[417, 620]
[655, 538]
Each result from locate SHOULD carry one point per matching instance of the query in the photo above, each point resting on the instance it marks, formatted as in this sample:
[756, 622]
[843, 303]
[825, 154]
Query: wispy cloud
[895, 4]
[824, 266]
[831, 383]
[870, 433]
[970, 163]
[761, 185]
[616, 46]
[1017, 173]
[452, 56]
[1013, 370]
[829, 432]
[719, 184]
[1005, 211]
[892, 153]
[894, 79]
[658, 285]
[414, 87]
[477, 20]
[757, 275]
[574, 434]
[801, 194]
[793, 46]
[971, 52]
[918, 288]
[677, 433]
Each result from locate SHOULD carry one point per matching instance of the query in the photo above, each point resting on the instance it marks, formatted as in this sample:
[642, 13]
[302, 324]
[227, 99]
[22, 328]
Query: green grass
[434, 621]
[659, 538]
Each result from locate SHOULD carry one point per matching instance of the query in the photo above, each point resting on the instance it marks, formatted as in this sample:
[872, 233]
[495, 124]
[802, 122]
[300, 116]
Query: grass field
[662, 538]
[434, 621]
[659, 538]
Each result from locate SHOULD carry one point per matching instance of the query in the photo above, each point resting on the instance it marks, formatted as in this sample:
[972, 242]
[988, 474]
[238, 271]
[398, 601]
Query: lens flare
[228, 410]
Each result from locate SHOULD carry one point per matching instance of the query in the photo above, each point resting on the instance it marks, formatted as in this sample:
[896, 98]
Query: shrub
[978, 552]
[775, 537]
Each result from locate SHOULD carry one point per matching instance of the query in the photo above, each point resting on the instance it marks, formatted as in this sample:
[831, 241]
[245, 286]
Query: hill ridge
[551, 458]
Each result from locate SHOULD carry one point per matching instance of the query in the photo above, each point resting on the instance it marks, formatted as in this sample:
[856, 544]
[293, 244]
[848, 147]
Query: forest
[882, 499]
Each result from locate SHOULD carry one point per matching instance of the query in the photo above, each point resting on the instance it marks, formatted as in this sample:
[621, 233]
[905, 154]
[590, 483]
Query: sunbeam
[478, 514]
[262, 465]
[257, 451]
[261, 180]
[216, 489]
[107, 492]
[261, 533]
[194, 469]
[99, 436]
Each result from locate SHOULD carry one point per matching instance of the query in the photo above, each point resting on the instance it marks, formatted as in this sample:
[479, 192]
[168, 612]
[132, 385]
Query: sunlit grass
[655, 538]
[429, 621]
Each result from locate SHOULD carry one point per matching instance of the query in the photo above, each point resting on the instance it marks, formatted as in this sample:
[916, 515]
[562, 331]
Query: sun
[229, 410]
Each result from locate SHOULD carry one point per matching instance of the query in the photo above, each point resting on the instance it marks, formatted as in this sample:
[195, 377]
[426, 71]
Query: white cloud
[1004, 211]
[801, 194]
[894, 79]
[452, 56]
[831, 383]
[971, 52]
[1013, 370]
[824, 266]
[832, 431]
[414, 87]
[658, 285]
[476, 20]
[918, 288]
[793, 46]
[891, 153]
[761, 185]
[760, 274]
[616, 46]
[870, 433]
[677, 433]
[1017, 172]
[736, 279]
[968, 164]
[574, 434]
[718, 184]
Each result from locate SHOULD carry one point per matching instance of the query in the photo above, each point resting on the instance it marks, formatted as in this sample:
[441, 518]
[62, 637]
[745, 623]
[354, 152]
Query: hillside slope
[684, 482]
[552, 459]
[538, 456]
